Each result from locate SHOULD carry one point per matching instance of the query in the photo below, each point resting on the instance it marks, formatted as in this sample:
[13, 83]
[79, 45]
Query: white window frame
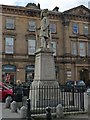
[9, 45]
[10, 23]
[82, 49]
[31, 46]
[74, 48]
[85, 29]
[88, 51]
[32, 26]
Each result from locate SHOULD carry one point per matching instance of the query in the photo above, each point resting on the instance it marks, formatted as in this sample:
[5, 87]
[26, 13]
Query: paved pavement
[78, 116]
[6, 114]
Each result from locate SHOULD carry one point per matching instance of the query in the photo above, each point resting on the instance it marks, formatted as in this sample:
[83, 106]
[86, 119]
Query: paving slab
[7, 114]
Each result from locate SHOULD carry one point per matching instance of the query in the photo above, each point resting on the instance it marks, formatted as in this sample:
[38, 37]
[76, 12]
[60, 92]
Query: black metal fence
[71, 98]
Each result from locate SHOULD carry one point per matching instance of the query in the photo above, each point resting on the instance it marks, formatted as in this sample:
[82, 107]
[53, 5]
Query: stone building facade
[70, 42]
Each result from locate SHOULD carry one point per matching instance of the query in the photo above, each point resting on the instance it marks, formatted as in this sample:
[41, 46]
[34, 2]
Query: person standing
[18, 93]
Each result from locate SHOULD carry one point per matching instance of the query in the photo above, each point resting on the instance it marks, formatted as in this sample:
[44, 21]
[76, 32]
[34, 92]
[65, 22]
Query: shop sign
[8, 68]
[30, 68]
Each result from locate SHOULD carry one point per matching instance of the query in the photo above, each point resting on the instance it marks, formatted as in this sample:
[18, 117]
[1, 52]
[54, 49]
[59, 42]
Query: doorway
[84, 75]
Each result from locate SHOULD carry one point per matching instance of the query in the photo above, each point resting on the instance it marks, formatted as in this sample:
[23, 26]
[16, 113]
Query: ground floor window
[9, 74]
[29, 77]
[29, 73]
[8, 77]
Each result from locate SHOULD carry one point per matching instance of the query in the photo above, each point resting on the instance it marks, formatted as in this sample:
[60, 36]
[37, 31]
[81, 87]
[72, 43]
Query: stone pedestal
[44, 65]
[44, 79]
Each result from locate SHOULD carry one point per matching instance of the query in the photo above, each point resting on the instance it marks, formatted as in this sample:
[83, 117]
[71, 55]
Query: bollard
[8, 101]
[48, 113]
[28, 110]
[14, 106]
[23, 112]
[59, 111]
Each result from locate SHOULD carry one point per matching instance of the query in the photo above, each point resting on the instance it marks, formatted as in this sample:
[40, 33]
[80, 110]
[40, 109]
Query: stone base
[44, 65]
[43, 94]
[43, 83]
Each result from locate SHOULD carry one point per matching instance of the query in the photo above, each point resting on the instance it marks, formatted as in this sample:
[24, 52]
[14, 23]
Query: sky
[49, 4]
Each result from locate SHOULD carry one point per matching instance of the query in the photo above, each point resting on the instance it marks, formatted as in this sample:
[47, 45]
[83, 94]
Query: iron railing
[71, 98]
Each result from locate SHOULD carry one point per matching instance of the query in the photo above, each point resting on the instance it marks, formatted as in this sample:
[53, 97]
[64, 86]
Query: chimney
[56, 9]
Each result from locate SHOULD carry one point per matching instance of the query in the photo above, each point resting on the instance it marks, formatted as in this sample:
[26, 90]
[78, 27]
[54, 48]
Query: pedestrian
[18, 93]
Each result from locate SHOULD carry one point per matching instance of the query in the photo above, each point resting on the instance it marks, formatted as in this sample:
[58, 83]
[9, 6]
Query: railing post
[28, 92]
[82, 98]
[28, 110]
[73, 95]
[48, 113]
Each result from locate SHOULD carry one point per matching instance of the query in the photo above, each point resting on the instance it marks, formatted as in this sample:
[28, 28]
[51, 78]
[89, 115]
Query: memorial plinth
[44, 65]
[44, 78]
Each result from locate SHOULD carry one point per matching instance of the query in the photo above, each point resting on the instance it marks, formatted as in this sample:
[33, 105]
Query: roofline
[77, 7]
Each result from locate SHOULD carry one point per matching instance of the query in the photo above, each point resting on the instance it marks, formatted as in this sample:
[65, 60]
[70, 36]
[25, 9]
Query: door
[84, 75]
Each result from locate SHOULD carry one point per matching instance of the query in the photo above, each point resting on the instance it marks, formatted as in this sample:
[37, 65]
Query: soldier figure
[45, 35]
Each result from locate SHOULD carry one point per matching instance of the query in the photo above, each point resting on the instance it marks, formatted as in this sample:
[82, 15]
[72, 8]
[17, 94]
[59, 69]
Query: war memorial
[44, 66]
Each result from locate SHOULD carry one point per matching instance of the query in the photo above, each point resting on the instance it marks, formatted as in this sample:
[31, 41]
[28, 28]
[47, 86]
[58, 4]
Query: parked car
[5, 92]
[80, 83]
[76, 87]
[80, 86]
[69, 85]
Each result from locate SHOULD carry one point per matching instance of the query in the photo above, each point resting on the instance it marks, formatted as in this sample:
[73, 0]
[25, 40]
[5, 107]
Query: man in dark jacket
[18, 93]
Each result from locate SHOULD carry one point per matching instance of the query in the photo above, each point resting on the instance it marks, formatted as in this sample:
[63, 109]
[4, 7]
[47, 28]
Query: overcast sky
[50, 4]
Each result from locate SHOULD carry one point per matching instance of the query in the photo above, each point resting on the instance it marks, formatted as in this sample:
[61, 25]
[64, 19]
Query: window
[85, 29]
[88, 49]
[82, 49]
[9, 45]
[74, 48]
[31, 47]
[68, 74]
[32, 26]
[75, 28]
[53, 46]
[53, 28]
[10, 23]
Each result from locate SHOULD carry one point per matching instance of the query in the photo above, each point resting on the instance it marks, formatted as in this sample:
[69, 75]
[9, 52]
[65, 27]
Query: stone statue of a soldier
[45, 35]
